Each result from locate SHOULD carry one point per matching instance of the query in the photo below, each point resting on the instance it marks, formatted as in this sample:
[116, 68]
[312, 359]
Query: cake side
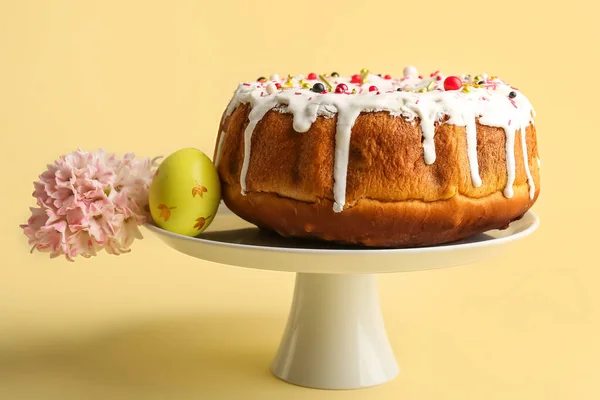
[379, 161]
[374, 223]
[393, 198]
[385, 159]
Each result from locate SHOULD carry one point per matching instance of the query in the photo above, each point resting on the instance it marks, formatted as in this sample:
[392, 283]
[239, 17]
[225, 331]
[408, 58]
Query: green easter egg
[185, 192]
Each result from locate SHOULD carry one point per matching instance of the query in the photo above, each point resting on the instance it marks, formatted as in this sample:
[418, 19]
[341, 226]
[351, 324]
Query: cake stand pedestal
[335, 336]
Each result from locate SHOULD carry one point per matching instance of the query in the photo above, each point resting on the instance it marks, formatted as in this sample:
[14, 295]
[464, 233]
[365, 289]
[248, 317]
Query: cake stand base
[335, 337]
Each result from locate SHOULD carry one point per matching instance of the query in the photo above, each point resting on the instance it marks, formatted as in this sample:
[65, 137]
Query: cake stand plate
[335, 336]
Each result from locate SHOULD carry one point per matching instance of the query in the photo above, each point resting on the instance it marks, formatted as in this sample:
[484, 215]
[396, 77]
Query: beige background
[154, 76]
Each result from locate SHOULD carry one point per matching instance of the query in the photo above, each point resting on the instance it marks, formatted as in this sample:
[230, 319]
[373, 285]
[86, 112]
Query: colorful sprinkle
[364, 74]
[271, 88]
[410, 72]
[452, 83]
[341, 88]
[312, 76]
[326, 82]
[373, 88]
[318, 87]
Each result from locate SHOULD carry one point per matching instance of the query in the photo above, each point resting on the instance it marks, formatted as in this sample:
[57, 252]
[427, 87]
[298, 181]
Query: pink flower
[88, 202]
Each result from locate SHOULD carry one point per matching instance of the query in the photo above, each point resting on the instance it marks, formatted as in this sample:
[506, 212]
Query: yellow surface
[153, 77]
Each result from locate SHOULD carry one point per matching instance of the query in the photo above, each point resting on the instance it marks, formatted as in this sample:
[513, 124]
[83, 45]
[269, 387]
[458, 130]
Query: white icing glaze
[423, 98]
[220, 148]
[510, 161]
[526, 161]
[259, 109]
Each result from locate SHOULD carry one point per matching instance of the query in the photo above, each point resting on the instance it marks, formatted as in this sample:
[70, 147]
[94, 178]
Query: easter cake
[376, 160]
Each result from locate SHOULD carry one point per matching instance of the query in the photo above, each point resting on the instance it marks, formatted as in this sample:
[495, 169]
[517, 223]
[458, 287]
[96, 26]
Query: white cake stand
[335, 336]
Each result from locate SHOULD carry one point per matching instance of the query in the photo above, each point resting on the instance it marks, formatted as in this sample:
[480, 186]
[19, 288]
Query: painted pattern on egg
[199, 190]
[165, 211]
[200, 222]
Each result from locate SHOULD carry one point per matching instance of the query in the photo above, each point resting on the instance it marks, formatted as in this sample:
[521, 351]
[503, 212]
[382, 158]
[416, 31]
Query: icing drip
[220, 148]
[526, 161]
[510, 161]
[344, 126]
[426, 114]
[471, 130]
[409, 97]
[259, 109]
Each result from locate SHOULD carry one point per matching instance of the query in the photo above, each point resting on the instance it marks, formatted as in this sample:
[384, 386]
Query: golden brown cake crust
[393, 198]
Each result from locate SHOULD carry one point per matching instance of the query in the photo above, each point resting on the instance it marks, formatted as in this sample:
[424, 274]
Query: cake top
[366, 82]
[459, 100]
[493, 101]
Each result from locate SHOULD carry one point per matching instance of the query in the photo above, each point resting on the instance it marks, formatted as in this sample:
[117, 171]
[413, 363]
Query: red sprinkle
[434, 73]
[278, 85]
[439, 78]
[356, 79]
[373, 88]
[452, 83]
[247, 84]
[417, 102]
[298, 93]
[312, 76]
[387, 77]
[509, 121]
[420, 76]
[310, 98]
[341, 88]
[513, 102]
